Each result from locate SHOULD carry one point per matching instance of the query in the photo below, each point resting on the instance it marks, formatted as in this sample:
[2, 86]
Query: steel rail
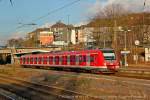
[5, 97]
[50, 90]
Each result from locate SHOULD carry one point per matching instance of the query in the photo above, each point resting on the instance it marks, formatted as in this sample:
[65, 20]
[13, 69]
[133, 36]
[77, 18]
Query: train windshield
[109, 54]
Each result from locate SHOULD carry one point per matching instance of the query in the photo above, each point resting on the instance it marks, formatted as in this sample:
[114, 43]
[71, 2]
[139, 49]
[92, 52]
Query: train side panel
[91, 59]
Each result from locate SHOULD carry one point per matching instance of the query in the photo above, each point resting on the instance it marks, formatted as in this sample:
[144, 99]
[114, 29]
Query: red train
[99, 60]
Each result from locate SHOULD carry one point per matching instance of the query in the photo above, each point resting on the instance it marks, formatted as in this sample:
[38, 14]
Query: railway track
[119, 81]
[134, 73]
[128, 73]
[5, 97]
[131, 75]
[34, 91]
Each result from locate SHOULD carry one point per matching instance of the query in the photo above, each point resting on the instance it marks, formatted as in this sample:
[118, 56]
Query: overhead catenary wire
[11, 2]
[51, 12]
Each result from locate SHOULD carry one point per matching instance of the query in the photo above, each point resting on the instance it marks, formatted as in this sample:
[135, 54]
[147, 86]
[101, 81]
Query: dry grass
[105, 89]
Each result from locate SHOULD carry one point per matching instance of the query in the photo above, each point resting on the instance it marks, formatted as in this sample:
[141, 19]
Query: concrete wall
[147, 54]
[7, 55]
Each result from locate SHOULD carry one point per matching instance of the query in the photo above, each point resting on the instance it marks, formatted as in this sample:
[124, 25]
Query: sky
[28, 11]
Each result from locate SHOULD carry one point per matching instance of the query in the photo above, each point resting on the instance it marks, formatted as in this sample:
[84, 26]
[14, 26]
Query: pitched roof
[59, 24]
[39, 30]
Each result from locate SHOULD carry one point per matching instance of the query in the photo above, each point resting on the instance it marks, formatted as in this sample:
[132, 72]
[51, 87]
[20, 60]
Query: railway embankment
[141, 69]
[101, 86]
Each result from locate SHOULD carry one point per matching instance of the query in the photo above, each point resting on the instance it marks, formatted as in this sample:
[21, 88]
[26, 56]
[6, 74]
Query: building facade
[46, 38]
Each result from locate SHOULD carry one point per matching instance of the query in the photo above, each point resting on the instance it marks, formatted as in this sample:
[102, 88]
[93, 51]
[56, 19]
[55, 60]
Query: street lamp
[137, 43]
[125, 46]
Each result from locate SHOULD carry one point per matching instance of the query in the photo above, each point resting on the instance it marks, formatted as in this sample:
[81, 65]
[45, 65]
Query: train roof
[64, 53]
[31, 53]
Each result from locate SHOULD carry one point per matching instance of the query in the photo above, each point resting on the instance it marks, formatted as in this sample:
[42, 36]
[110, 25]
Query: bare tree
[15, 42]
[114, 11]
[105, 23]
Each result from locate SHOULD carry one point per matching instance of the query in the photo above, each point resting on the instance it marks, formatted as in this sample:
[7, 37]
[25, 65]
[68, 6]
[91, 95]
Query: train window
[28, 60]
[57, 59]
[77, 58]
[45, 59]
[88, 58]
[64, 59]
[82, 58]
[109, 54]
[35, 59]
[72, 58]
[68, 58]
[31, 59]
[60, 59]
[20, 60]
[39, 60]
[92, 59]
[42, 59]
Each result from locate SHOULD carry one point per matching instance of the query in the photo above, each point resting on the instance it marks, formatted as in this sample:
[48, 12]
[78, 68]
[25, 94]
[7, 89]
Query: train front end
[111, 60]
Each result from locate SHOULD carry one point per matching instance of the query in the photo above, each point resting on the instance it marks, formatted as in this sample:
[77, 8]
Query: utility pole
[104, 40]
[143, 28]
[68, 31]
[115, 34]
[125, 46]
[137, 43]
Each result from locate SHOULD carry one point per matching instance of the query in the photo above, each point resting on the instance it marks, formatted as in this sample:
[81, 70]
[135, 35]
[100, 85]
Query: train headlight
[117, 67]
[105, 64]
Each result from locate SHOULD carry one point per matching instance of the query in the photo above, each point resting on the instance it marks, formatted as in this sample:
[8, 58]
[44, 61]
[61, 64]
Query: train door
[21, 60]
[35, 60]
[51, 60]
[40, 60]
[44, 60]
[24, 60]
[64, 60]
[72, 60]
[77, 60]
[31, 60]
[56, 60]
[27, 60]
[82, 60]
[93, 59]
[60, 60]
